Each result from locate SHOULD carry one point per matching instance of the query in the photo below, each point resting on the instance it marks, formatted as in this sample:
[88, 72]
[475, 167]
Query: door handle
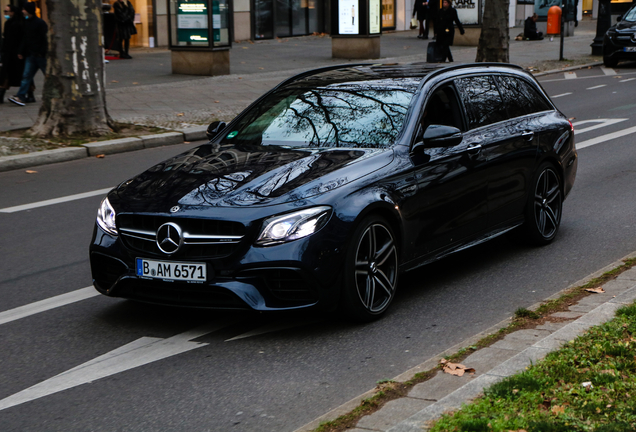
[528, 135]
[473, 148]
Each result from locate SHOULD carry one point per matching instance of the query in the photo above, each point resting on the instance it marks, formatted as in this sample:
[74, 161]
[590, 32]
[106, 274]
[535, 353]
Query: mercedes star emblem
[169, 238]
[175, 209]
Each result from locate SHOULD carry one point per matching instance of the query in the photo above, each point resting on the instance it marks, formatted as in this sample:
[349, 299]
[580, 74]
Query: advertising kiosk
[200, 36]
[356, 29]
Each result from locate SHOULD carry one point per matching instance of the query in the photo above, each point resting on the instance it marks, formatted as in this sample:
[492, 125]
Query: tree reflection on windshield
[359, 115]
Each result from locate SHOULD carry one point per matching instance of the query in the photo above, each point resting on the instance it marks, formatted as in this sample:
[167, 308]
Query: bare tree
[494, 39]
[74, 97]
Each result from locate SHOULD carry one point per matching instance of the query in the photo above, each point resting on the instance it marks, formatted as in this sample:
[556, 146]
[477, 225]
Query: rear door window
[520, 97]
[484, 104]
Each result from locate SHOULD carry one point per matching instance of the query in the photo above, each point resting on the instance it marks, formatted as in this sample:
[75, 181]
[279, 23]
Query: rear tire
[544, 207]
[371, 271]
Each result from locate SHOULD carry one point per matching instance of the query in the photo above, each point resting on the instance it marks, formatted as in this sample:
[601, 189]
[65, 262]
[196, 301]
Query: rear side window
[483, 102]
[520, 97]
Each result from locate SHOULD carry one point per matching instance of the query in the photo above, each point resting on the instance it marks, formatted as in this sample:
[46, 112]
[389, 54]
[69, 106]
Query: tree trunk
[74, 97]
[494, 39]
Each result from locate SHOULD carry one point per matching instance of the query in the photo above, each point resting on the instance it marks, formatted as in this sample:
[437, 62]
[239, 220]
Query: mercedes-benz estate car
[327, 188]
[619, 42]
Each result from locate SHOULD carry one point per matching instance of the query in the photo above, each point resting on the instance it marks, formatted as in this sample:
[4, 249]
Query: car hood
[228, 176]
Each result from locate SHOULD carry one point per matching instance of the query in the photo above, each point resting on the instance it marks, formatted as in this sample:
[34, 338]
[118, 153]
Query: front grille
[177, 294]
[202, 238]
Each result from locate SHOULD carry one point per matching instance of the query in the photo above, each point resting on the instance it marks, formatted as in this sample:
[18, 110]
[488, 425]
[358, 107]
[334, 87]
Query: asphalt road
[248, 372]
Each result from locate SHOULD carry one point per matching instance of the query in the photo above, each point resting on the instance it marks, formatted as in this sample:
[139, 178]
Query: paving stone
[519, 362]
[392, 413]
[517, 345]
[570, 332]
[527, 334]
[568, 315]
[487, 358]
[438, 387]
[552, 326]
[552, 343]
[628, 275]
[601, 314]
[625, 298]
[619, 285]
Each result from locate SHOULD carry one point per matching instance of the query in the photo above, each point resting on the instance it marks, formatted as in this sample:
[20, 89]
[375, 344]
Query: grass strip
[588, 385]
[523, 319]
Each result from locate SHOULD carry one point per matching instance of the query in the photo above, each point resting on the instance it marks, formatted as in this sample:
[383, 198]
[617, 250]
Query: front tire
[371, 271]
[544, 207]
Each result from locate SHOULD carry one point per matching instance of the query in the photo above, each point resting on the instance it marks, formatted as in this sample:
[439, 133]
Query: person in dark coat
[33, 49]
[125, 18]
[530, 28]
[444, 29]
[12, 66]
[109, 27]
[420, 8]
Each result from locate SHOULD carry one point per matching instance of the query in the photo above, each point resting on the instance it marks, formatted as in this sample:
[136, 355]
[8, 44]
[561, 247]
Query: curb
[567, 69]
[455, 399]
[120, 145]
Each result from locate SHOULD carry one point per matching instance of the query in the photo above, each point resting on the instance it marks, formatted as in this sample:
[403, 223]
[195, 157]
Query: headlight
[106, 217]
[293, 226]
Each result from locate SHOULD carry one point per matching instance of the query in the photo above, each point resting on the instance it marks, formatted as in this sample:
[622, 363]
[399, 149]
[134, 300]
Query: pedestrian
[125, 17]
[33, 50]
[12, 66]
[444, 29]
[530, 28]
[420, 8]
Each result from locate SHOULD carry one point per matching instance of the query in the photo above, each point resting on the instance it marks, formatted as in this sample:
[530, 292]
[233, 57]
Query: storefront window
[388, 14]
[283, 18]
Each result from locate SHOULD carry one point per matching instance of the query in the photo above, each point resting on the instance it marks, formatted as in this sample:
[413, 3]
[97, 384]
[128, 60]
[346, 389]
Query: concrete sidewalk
[143, 90]
[443, 393]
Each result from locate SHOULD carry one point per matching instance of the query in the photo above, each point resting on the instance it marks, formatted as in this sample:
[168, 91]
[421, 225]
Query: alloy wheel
[547, 203]
[376, 268]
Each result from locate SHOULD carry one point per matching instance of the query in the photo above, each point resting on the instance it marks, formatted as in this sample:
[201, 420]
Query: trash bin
[554, 21]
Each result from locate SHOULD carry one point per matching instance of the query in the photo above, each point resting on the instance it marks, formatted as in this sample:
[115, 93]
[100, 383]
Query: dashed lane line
[560, 95]
[598, 123]
[55, 201]
[608, 71]
[628, 79]
[605, 138]
[595, 87]
[47, 304]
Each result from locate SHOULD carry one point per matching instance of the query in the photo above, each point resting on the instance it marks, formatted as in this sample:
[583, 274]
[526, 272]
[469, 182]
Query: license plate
[168, 270]
[630, 49]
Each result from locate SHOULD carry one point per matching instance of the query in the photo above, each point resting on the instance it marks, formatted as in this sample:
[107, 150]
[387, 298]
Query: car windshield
[630, 15]
[366, 114]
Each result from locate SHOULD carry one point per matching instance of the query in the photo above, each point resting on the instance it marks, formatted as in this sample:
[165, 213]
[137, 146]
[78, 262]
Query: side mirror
[214, 129]
[441, 136]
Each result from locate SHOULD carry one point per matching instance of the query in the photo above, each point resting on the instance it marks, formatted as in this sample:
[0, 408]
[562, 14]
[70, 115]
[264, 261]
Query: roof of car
[408, 74]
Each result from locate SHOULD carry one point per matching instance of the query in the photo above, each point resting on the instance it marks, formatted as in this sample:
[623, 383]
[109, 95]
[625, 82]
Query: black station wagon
[619, 42]
[328, 187]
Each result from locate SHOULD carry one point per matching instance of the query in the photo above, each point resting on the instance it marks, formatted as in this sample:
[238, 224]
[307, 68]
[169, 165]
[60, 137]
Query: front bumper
[619, 47]
[294, 275]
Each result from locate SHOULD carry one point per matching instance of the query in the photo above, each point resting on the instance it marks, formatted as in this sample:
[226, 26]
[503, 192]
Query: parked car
[619, 42]
[327, 188]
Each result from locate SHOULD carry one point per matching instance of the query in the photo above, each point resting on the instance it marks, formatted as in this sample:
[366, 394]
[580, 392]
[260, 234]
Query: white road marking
[54, 201]
[628, 79]
[595, 87]
[560, 95]
[608, 71]
[570, 75]
[47, 304]
[601, 123]
[272, 328]
[604, 138]
[137, 353]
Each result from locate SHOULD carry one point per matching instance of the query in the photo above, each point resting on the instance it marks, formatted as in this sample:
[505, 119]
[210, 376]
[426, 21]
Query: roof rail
[319, 70]
[475, 64]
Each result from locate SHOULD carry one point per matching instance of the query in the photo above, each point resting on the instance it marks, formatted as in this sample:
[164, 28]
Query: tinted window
[483, 102]
[365, 114]
[520, 97]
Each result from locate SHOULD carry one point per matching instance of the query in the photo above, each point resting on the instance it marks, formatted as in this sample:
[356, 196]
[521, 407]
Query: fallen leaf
[217, 102]
[100, 156]
[608, 371]
[135, 83]
[598, 290]
[31, 171]
[113, 81]
[186, 142]
[244, 47]
[261, 68]
[180, 115]
[557, 409]
[456, 369]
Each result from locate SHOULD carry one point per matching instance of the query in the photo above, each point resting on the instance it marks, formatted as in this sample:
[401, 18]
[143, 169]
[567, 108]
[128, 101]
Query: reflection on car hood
[626, 26]
[226, 176]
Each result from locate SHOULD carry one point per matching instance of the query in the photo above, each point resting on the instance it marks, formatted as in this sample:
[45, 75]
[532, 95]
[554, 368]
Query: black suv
[333, 183]
[619, 42]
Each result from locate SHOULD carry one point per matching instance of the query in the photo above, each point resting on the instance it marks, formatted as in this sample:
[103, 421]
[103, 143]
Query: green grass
[549, 396]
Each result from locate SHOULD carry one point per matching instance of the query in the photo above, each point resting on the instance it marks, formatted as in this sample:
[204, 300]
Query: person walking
[33, 50]
[420, 9]
[444, 29]
[125, 18]
[12, 66]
